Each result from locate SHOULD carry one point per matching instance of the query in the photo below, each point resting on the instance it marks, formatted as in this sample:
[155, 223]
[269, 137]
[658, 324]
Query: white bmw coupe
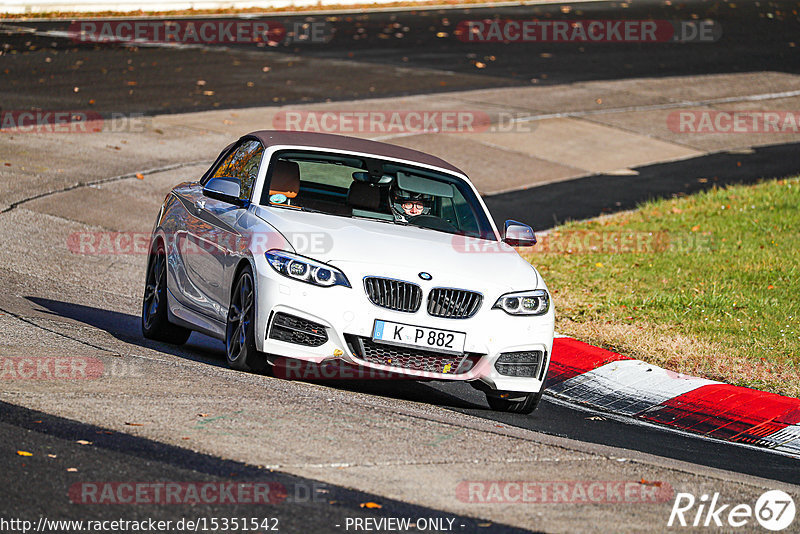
[317, 247]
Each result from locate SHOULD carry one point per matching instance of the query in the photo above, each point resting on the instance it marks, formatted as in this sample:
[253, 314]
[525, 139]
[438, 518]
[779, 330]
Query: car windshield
[371, 188]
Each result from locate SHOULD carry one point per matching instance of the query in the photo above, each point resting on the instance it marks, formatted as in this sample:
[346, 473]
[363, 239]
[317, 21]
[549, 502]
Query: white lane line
[456, 461]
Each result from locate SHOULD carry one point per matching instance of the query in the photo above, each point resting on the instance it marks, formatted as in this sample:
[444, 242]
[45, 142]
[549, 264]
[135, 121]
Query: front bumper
[347, 316]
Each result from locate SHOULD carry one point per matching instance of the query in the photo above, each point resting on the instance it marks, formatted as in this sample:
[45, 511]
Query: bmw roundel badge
[425, 276]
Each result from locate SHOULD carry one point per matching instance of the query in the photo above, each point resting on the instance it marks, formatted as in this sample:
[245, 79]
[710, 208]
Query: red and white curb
[608, 381]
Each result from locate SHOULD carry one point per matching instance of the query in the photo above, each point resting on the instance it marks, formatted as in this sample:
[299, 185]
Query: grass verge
[707, 285]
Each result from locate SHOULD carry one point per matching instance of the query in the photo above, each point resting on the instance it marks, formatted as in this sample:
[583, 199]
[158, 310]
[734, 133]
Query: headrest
[285, 178]
[364, 196]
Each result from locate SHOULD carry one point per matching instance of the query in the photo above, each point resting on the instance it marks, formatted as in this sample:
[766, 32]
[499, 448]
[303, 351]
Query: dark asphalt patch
[57, 74]
[382, 54]
[39, 485]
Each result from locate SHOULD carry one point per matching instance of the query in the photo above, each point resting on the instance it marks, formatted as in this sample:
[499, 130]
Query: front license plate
[421, 337]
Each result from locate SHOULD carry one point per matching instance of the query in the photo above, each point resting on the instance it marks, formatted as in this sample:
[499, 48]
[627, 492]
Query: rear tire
[524, 406]
[240, 340]
[155, 322]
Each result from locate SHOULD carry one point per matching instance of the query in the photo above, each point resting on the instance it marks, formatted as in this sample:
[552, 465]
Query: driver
[406, 204]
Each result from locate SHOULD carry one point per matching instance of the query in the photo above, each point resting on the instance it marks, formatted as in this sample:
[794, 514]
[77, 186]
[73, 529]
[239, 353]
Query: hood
[365, 247]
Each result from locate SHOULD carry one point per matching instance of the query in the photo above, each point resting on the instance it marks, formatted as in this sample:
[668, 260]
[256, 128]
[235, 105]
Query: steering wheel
[433, 222]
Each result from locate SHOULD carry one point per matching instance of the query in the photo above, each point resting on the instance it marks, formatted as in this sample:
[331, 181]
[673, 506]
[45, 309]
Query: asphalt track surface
[166, 81]
[396, 53]
[550, 418]
[300, 505]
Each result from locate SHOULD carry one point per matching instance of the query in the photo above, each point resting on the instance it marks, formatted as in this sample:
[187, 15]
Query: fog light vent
[293, 329]
[523, 364]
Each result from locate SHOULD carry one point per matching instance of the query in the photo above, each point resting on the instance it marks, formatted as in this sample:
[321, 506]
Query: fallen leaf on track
[648, 483]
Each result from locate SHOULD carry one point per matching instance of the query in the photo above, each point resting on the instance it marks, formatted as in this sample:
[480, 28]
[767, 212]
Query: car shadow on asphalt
[408, 390]
[204, 349]
[549, 205]
[127, 328]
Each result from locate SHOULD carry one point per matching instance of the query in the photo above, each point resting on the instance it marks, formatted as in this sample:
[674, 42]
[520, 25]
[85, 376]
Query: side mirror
[224, 189]
[518, 234]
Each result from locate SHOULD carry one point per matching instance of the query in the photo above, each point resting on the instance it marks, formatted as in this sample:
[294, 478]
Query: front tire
[240, 340]
[155, 322]
[524, 405]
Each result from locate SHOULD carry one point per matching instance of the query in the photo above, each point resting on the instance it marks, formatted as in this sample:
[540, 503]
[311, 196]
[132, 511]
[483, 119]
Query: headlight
[306, 269]
[535, 302]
